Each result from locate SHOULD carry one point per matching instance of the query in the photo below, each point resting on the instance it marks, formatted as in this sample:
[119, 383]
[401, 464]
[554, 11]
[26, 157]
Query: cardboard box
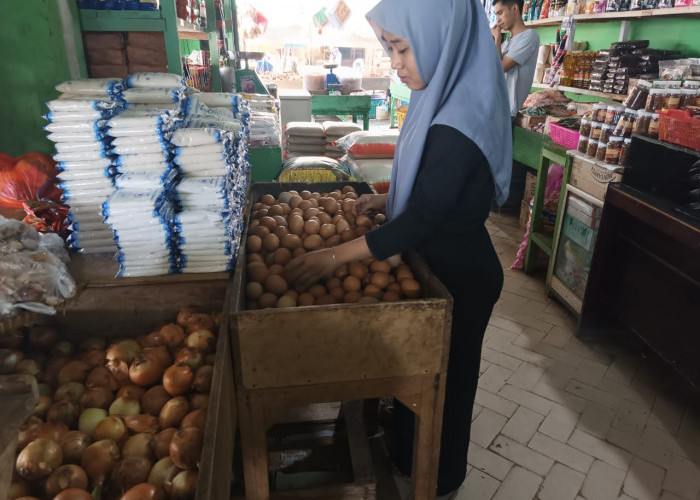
[147, 57]
[98, 40]
[108, 71]
[146, 39]
[530, 184]
[98, 57]
[529, 122]
[592, 176]
[524, 214]
[145, 68]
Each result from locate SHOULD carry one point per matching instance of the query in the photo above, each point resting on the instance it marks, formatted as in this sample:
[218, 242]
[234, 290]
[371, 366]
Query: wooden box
[129, 307]
[591, 176]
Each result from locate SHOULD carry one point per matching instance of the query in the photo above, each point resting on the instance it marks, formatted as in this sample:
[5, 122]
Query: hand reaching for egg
[368, 203]
[309, 268]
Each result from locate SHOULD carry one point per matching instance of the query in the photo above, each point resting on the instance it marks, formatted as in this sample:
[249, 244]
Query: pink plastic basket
[564, 136]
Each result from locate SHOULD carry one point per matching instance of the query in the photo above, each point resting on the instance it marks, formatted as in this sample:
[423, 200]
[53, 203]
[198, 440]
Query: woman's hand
[368, 203]
[308, 269]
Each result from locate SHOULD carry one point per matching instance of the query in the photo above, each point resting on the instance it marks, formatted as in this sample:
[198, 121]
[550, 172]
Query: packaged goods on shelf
[314, 169]
[366, 144]
[334, 131]
[373, 171]
[304, 139]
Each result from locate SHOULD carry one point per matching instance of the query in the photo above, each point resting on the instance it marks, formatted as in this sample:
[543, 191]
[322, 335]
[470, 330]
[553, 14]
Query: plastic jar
[637, 98]
[653, 130]
[582, 144]
[655, 100]
[600, 152]
[599, 111]
[596, 129]
[585, 127]
[625, 124]
[673, 99]
[624, 152]
[613, 151]
[641, 125]
[606, 132]
[688, 84]
[688, 97]
[613, 113]
[592, 148]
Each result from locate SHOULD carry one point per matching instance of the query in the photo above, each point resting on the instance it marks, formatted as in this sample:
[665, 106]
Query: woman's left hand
[308, 269]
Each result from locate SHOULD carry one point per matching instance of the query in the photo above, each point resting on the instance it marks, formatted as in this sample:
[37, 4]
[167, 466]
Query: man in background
[518, 53]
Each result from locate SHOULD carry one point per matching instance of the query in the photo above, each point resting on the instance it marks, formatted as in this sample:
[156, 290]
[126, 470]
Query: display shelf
[544, 240]
[605, 95]
[121, 20]
[619, 16]
[191, 31]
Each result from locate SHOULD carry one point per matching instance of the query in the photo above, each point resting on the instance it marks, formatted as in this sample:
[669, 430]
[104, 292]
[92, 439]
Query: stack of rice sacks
[304, 139]
[77, 119]
[334, 131]
[142, 207]
[370, 156]
[211, 153]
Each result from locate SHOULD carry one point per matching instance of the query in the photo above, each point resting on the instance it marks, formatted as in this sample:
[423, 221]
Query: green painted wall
[34, 60]
[663, 33]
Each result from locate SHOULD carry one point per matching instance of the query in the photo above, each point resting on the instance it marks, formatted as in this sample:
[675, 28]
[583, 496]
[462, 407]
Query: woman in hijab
[452, 158]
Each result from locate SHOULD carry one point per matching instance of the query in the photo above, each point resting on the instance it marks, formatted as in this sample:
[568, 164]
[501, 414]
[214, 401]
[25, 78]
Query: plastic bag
[365, 144]
[92, 86]
[31, 176]
[154, 80]
[220, 99]
[151, 96]
[372, 171]
[313, 169]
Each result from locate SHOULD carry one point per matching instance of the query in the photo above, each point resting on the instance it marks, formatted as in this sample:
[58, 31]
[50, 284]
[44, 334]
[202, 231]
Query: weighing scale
[333, 85]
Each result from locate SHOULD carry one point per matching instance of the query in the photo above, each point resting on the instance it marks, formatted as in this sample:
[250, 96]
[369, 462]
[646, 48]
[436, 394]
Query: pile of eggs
[294, 223]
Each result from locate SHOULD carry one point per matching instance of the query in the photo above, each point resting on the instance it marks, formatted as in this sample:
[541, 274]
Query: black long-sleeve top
[450, 200]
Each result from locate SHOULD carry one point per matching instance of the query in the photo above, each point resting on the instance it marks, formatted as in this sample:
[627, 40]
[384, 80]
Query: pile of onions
[123, 420]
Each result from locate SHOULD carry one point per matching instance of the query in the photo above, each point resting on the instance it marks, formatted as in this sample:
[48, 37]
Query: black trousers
[475, 292]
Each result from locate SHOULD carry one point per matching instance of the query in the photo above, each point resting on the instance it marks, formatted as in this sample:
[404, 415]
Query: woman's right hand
[369, 203]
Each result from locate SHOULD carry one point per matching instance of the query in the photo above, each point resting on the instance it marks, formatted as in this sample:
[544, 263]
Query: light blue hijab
[465, 87]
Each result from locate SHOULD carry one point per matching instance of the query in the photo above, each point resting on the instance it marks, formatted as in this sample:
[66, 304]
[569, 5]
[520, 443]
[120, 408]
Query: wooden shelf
[619, 16]
[191, 31]
[604, 95]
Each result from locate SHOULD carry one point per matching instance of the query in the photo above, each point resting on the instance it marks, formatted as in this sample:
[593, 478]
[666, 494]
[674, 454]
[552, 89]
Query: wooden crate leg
[254, 447]
[428, 427]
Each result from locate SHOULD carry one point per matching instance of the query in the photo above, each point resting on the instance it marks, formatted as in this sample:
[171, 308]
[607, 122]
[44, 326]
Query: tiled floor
[557, 418]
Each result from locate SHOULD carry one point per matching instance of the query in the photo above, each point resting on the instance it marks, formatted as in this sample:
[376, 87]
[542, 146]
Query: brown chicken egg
[275, 210]
[312, 226]
[255, 257]
[305, 194]
[352, 297]
[257, 206]
[260, 231]
[317, 290]
[380, 280]
[276, 268]
[329, 205]
[351, 284]
[348, 204]
[286, 301]
[348, 189]
[283, 255]
[267, 300]
[298, 252]
[351, 195]
[334, 240]
[335, 195]
[313, 241]
[410, 288]
[337, 293]
[285, 208]
[268, 199]
[276, 284]
[358, 270]
[394, 287]
[305, 205]
[324, 218]
[380, 266]
[254, 290]
[271, 242]
[379, 219]
[342, 271]
[368, 300]
[390, 296]
[363, 220]
[403, 273]
[326, 300]
[306, 299]
[295, 200]
[334, 282]
[327, 230]
[254, 243]
[257, 271]
[372, 291]
[280, 232]
[348, 235]
[311, 212]
[280, 220]
[290, 241]
[269, 259]
[268, 222]
[296, 224]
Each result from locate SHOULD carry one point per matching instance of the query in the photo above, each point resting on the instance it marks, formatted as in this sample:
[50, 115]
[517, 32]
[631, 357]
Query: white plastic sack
[92, 86]
[154, 80]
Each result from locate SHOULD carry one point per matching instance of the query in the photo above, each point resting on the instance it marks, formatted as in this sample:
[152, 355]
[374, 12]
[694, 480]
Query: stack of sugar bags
[141, 209]
[264, 123]
[304, 139]
[226, 112]
[334, 131]
[76, 127]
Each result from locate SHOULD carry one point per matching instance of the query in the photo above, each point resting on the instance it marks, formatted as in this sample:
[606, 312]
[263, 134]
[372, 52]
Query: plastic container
[599, 111]
[600, 152]
[673, 99]
[624, 152]
[592, 148]
[613, 113]
[585, 127]
[606, 132]
[653, 130]
[596, 130]
[641, 125]
[637, 98]
[582, 144]
[625, 123]
[613, 151]
[688, 97]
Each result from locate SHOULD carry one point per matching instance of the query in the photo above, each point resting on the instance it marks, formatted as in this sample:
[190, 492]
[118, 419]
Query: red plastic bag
[29, 177]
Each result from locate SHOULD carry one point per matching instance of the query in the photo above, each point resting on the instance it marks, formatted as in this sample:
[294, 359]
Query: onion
[141, 423]
[119, 370]
[19, 489]
[196, 418]
[39, 459]
[143, 491]
[96, 397]
[66, 476]
[190, 356]
[73, 444]
[43, 405]
[101, 377]
[66, 412]
[89, 419]
[173, 334]
[131, 391]
[8, 361]
[200, 322]
[99, 459]
[112, 428]
[153, 339]
[126, 350]
[162, 442]
[96, 357]
[73, 371]
[125, 406]
[52, 368]
[184, 315]
[164, 470]
[140, 445]
[177, 379]
[162, 353]
[146, 370]
[93, 344]
[26, 432]
[28, 366]
[199, 401]
[43, 337]
[11, 339]
[186, 448]
[183, 486]
[202, 340]
[72, 391]
[73, 494]
[63, 348]
[154, 399]
[129, 472]
[173, 412]
[202, 378]
[54, 431]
